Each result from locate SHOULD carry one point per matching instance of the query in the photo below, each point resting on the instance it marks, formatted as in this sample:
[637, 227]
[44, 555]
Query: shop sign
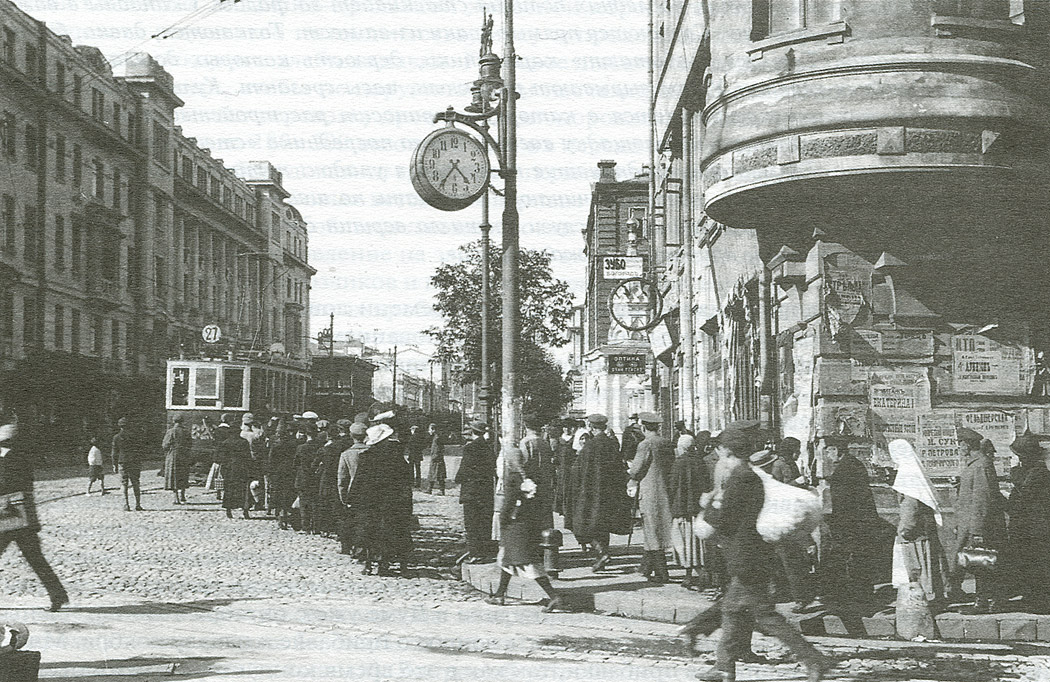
[626, 364]
[622, 267]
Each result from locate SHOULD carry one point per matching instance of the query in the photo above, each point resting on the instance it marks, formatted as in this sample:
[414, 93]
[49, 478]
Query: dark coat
[1029, 542]
[477, 474]
[784, 470]
[652, 467]
[564, 457]
[522, 521]
[689, 480]
[381, 500]
[853, 515]
[600, 501]
[748, 557]
[16, 476]
[305, 474]
[979, 508]
[177, 446]
[632, 437]
[236, 468]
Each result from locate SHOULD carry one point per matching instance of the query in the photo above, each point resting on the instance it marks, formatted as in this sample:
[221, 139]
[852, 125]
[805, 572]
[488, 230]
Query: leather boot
[646, 566]
[659, 565]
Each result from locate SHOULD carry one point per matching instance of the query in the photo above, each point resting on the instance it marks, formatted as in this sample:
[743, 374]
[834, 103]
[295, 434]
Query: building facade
[121, 238]
[848, 195]
[612, 372]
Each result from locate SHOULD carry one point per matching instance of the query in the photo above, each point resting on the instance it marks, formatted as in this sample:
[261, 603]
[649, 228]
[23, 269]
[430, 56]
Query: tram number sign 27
[211, 333]
[621, 267]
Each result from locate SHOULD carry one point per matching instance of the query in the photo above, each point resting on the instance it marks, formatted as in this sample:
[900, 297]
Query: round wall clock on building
[450, 169]
[636, 304]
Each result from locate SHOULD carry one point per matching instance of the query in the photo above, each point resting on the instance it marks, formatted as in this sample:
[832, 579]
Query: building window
[78, 90]
[238, 205]
[60, 79]
[60, 242]
[99, 179]
[114, 350]
[116, 189]
[60, 328]
[29, 323]
[7, 134]
[31, 146]
[226, 200]
[160, 218]
[74, 249]
[187, 169]
[180, 385]
[202, 179]
[60, 158]
[160, 143]
[98, 104]
[116, 117]
[206, 388]
[133, 135]
[9, 46]
[275, 227]
[977, 9]
[160, 276]
[32, 64]
[214, 189]
[29, 236]
[9, 223]
[74, 331]
[7, 314]
[78, 166]
[774, 17]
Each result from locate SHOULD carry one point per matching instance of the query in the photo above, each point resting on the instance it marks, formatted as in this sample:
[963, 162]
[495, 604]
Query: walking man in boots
[130, 464]
[600, 502]
[650, 476]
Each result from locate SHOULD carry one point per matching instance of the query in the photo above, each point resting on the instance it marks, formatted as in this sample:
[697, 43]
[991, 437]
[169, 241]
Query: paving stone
[607, 602]
[981, 628]
[1042, 628]
[950, 626]
[834, 626]
[879, 626]
[656, 609]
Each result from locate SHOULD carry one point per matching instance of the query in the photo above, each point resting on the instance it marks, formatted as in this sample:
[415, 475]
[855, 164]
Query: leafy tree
[546, 308]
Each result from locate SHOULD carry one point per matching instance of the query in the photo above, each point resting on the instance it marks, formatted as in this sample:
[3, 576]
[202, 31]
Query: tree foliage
[546, 309]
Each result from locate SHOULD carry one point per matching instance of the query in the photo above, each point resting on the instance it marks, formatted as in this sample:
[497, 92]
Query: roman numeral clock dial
[450, 169]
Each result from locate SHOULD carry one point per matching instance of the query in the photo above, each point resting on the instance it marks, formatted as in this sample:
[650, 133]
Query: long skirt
[234, 493]
[925, 558]
[688, 549]
[176, 474]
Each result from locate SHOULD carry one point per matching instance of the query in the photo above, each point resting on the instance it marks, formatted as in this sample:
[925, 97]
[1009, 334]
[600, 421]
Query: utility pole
[511, 314]
[394, 381]
[331, 335]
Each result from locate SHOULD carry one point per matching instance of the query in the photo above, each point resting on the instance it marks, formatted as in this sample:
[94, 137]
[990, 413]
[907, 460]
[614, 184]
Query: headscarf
[911, 480]
[685, 444]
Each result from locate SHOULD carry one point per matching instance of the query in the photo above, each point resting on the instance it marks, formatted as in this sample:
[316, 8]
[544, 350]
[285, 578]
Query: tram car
[202, 389]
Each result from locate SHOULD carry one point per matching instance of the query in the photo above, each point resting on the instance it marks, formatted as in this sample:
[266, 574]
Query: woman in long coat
[600, 503]
[382, 515]
[651, 468]
[280, 472]
[435, 451]
[306, 485]
[1029, 510]
[236, 469]
[689, 481]
[918, 554]
[564, 456]
[177, 446]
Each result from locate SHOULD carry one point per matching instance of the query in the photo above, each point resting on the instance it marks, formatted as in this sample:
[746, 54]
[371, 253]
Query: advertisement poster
[896, 399]
[938, 446]
[997, 426]
[983, 366]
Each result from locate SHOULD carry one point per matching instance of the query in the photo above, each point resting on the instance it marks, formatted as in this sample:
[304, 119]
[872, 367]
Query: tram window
[207, 392]
[232, 387]
[180, 386]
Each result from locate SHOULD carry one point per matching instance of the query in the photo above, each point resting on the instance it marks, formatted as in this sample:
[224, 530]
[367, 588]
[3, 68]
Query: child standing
[95, 472]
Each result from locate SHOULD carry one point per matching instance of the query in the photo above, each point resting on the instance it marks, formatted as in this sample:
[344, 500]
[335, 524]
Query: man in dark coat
[417, 443]
[651, 471]
[853, 524]
[16, 490]
[785, 467]
[1028, 549]
[600, 505]
[477, 488]
[979, 517]
[306, 478]
[347, 472]
[564, 457]
[746, 604]
[632, 436]
[326, 466]
[127, 456]
[381, 494]
[236, 457]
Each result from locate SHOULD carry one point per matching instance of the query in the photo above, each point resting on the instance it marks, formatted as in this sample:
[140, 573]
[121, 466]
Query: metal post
[394, 380]
[486, 380]
[511, 321]
[331, 335]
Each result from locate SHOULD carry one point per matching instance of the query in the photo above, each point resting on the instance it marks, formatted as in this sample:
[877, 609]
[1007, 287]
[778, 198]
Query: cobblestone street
[184, 592]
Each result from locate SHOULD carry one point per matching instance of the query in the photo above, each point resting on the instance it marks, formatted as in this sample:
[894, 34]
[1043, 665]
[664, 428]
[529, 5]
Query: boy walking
[95, 470]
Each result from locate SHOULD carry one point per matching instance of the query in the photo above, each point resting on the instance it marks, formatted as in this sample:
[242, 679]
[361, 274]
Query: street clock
[635, 304]
[450, 169]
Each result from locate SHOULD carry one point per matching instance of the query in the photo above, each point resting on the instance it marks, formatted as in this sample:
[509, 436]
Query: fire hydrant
[550, 541]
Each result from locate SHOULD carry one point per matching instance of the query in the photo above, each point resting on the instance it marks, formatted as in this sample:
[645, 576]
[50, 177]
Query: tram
[202, 389]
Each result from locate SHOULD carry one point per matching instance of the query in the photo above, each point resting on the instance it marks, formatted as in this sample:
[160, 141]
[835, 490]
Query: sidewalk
[617, 590]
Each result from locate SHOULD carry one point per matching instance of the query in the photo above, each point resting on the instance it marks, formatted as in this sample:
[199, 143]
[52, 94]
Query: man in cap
[601, 505]
[306, 476]
[979, 517]
[847, 569]
[130, 463]
[746, 604]
[253, 432]
[632, 436]
[650, 472]
[348, 461]
[477, 488]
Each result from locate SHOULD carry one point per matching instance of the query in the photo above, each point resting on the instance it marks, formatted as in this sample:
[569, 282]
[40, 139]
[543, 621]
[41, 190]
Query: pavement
[179, 592]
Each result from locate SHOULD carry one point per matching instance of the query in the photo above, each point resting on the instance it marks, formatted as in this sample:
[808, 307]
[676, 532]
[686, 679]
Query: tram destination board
[626, 364]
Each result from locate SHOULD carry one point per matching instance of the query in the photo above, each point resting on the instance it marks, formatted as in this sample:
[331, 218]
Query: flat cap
[597, 419]
[762, 458]
[358, 429]
[478, 426]
[738, 442]
[343, 423]
[969, 436]
[649, 418]
[1026, 446]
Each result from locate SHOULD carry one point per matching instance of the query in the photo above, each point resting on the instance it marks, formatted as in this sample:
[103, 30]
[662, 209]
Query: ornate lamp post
[441, 182]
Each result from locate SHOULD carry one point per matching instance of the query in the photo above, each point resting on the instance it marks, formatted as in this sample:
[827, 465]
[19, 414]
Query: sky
[338, 93]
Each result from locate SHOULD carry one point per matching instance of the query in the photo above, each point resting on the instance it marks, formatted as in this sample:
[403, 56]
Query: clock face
[450, 169]
[635, 305]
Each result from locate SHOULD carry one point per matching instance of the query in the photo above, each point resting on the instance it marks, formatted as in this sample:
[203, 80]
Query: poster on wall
[997, 426]
[938, 446]
[983, 366]
[895, 400]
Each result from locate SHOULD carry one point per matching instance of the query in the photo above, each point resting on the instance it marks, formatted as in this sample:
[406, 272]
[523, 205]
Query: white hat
[377, 433]
[310, 415]
[389, 414]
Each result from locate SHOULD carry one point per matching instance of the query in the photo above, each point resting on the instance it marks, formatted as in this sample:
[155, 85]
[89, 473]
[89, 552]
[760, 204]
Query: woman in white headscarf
[918, 554]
